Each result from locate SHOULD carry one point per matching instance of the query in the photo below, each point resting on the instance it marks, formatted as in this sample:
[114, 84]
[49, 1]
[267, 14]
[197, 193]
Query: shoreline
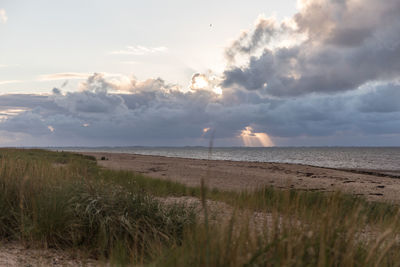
[343, 161]
[375, 185]
[395, 173]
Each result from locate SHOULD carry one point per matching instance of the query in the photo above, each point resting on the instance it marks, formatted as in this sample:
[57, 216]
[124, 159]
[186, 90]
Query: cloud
[341, 46]
[206, 81]
[63, 76]
[381, 99]
[10, 82]
[265, 30]
[25, 101]
[153, 112]
[3, 15]
[327, 76]
[9, 112]
[139, 50]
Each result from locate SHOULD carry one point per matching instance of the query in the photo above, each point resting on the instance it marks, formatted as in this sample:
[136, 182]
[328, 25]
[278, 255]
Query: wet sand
[237, 175]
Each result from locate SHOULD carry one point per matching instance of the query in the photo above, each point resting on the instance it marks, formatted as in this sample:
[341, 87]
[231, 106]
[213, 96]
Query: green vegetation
[60, 200]
[64, 200]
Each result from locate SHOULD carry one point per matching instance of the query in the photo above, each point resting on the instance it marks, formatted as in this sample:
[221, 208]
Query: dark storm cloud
[25, 101]
[152, 110]
[383, 99]
[162, 115]
[265, 30]
[344, 45]
[87, 102]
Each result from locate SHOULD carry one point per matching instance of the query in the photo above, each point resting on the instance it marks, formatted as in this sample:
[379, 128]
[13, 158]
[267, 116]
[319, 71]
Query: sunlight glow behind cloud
[208, 82]
[252, 139]
[199, 82]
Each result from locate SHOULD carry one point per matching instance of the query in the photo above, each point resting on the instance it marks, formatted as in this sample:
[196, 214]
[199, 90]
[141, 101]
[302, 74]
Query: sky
[177, 73]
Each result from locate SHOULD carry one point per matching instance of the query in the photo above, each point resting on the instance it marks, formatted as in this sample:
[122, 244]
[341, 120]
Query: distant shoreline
[383, 160]
[376, 172]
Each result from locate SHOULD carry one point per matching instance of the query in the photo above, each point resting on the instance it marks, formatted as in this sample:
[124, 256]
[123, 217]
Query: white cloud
[3, 15]
[9, 82]
[63, 76]
[139, 50]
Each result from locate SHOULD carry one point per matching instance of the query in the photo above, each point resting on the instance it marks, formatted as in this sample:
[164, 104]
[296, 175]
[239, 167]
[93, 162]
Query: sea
[365, 158]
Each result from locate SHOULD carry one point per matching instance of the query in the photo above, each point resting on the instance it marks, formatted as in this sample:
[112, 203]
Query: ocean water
[369, 158]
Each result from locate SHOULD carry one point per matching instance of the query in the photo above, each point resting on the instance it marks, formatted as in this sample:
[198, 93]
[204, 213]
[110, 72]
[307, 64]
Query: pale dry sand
[236, 175]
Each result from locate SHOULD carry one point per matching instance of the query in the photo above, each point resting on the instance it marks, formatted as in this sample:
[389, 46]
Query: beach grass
[266, 199]
[59, 200]
[65, 200]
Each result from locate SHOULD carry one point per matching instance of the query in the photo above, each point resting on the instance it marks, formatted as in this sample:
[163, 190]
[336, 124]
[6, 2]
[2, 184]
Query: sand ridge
[239, 175]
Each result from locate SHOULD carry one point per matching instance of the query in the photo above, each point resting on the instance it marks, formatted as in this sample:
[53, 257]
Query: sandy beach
[235, 175]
